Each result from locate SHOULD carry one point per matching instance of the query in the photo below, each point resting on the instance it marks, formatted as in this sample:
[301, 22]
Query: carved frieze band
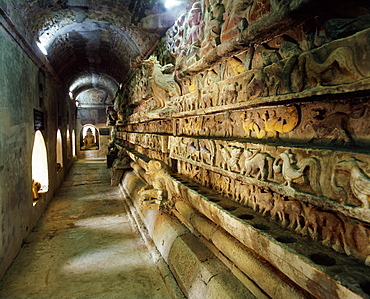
[335, 123]
[255, 76]
[343, 186]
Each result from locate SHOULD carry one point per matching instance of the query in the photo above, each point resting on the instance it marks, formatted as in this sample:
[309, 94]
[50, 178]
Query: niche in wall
[40, 174]
[59, 151]
[89, 138]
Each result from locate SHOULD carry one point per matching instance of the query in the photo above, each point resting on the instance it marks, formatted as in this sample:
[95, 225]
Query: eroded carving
[119, 166]
[359, 181]
[231, 156]
[269, 123]
[154, 196]
[338, 68]
[257, 164]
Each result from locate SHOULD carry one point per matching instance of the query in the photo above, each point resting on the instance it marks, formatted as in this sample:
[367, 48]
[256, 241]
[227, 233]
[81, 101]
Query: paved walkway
[84, 246]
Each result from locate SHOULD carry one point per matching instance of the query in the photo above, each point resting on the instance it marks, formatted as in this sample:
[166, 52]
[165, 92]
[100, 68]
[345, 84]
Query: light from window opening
[69, 143]
[40, 174]
[59, 150]
[42, 48]
[73, 143]
[171, 3]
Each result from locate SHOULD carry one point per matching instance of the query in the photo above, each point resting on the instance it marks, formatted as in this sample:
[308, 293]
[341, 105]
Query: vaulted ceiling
[91, 44]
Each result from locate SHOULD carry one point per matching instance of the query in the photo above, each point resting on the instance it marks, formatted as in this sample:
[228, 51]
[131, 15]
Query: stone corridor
[85, 246]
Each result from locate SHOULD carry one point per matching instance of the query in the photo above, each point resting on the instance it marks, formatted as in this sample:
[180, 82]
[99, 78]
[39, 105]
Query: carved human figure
[234, 19]
[195, 27]
[111, 116]
[214, 18]
[89, 141]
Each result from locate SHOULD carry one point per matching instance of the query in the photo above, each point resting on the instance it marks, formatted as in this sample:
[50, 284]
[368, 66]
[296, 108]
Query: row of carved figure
[150, 141]
[341, 124]
[335, 230]
[256, 72]
[349, 183]
[324, 123]
[293, 75]
[212, 22]
[159, 90]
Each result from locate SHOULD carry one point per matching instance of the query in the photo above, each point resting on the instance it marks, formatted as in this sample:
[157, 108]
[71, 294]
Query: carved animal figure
[334, 125]
[289, 212]
[291, 172]
[161, 82]
[258, 164]
[208, 152]
[326, 225]
[231, 156]
[358, 180]
[339, 61]
[264, 200]
[229, 93]
[193, 151]
[154, 196]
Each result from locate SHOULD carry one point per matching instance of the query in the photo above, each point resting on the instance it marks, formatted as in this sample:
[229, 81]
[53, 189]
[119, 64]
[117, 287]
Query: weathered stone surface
[195, 267]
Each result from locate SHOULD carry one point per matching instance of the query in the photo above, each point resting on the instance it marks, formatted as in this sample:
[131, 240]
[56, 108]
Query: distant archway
[89, 138]
[59, 150]
[40, 173]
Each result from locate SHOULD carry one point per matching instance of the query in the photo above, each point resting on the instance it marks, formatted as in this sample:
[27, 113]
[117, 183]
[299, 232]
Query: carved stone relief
[333, 230]
[154, 196]
[284, 170]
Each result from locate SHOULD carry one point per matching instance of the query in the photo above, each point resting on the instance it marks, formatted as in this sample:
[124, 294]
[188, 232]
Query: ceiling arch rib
[93, 90]
[93, 46]
[91, 36]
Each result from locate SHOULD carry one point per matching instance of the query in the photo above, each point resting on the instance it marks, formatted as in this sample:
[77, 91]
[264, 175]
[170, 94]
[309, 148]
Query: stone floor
[84, 246]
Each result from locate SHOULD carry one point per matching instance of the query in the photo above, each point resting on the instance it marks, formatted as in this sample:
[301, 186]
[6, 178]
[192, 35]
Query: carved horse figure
[258, 164]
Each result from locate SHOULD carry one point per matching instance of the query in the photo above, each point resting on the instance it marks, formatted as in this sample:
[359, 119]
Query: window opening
[40, 173]
[59, 150]
[73, 143]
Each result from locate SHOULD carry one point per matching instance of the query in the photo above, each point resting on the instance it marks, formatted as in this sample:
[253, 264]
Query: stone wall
[23, 88]
[259, 110]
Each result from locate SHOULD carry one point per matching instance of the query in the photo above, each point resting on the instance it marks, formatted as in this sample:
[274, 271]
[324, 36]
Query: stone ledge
[209, 278]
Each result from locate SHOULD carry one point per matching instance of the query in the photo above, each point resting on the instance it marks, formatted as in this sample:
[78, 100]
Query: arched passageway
[237, 131]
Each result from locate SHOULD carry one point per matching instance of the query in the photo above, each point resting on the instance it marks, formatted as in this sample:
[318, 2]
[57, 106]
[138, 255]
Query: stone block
[166, 230]
[195, 266]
